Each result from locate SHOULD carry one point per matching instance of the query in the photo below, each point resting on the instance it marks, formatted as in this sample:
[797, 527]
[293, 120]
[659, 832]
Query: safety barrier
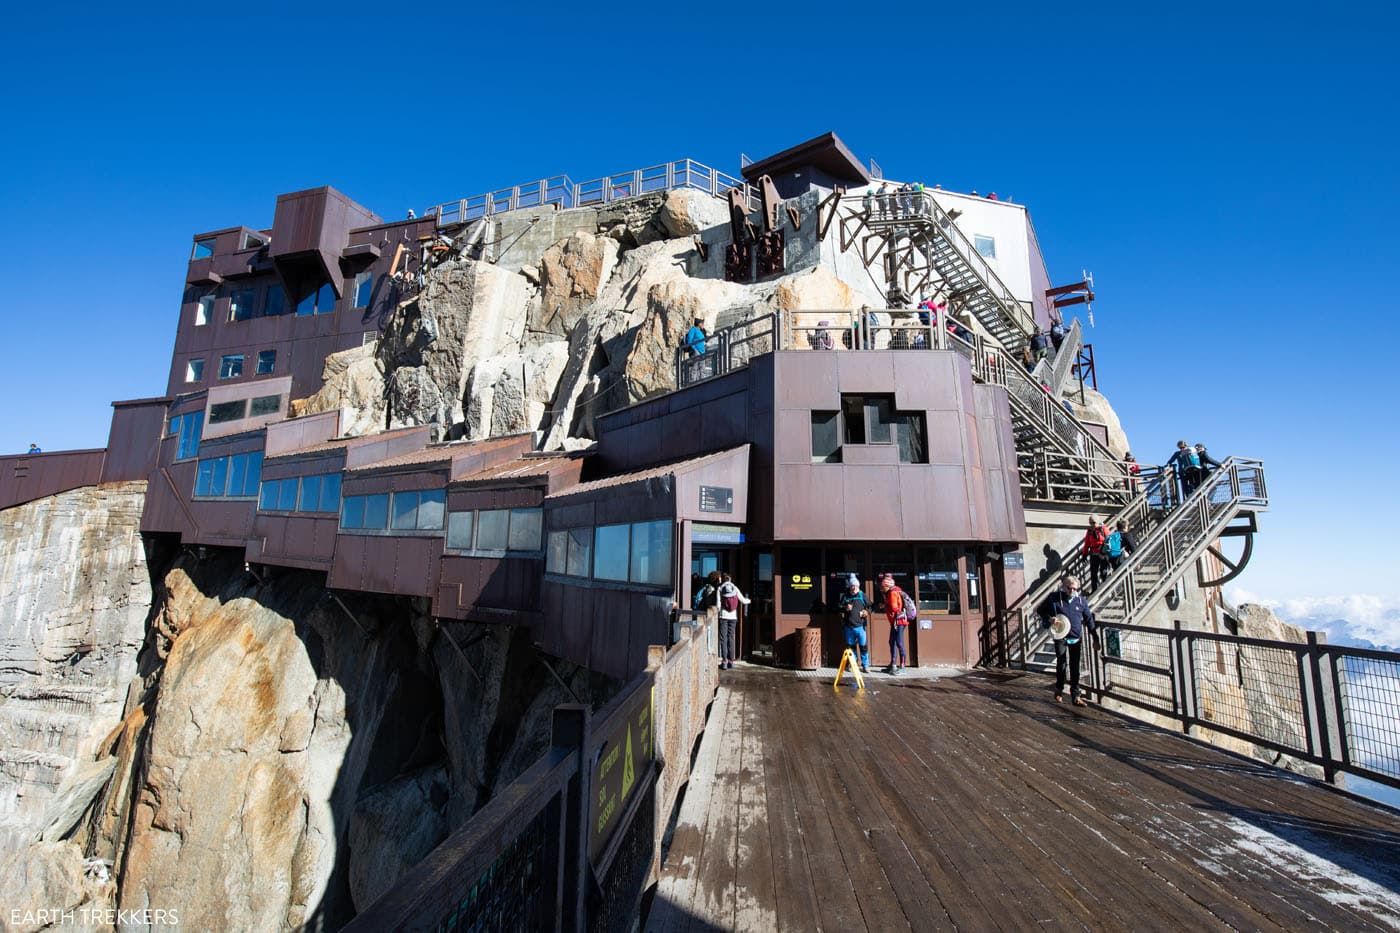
[572, 844]
[1332, 706]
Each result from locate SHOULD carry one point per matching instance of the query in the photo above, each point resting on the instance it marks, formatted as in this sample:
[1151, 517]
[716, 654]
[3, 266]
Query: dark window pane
[240, 306]
[353, 515]
[974, 583]
[651, 552]
[911, 433]
[556, 556]
[802, 579]
[330, 492]
[525, 529]
[853, 415]
[222, 412]
[310, 499]
[231, 367]
[826, 437]
[267, 362]
[287, 498]
[879, 418]
[265, 405]
[377, 511]
[194, 371]
[275, 304]
[898, 563]
[938, 580]
[430, 509]
[325, 299]
[459, 530]
[405, 511]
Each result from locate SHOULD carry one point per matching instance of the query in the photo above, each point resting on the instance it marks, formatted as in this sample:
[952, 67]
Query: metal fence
[1332, 706]
[562, 192]
[573, 843]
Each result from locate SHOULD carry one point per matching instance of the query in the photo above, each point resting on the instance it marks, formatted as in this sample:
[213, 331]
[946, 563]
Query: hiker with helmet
[1067, 614]
[898, 607]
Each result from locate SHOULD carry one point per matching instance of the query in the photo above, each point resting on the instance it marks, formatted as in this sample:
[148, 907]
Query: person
[695, 338]
[1094, 540]
[1208, 463]
[1130, 464]
[992, 196]
[884, 200]
[868, 202]
[1128, 538]
[1027, 360]
[1113, 549]
[896, 611]
[1187, 465]
[1039, 346]
[820, 339]
[855, 610]
[927, 311]
[705, 596]
[729, 601]
[1068, 602]
[35, 449]
[1057, 334]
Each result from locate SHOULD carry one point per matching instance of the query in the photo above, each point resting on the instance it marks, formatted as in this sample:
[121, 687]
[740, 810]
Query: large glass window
[938, 580]
[911, 435]
[194, 371]
[188, 427]
[493, 530]
[320, 300]
[377, 511]
[611, 549]
[287, 495]
[310, 500]
[579, 562]
[203, 249]
[222, 412]
[236, 476]
[651, 553]
[871, 419]
[267, 498]
[204, 311]
[826, 437]
[231, 366]
[879, 423]
[275, 302]
[330, 493]
[265, 405]
[267, 362]
[557, 554]
[459, 530]
[240, 305]
[352, 512]
[364, 286]
[525, 529]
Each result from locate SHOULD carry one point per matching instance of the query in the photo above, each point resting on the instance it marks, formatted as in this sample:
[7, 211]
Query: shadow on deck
[976, 802]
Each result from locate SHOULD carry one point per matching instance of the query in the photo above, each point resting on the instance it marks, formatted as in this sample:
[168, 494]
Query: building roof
[530, 465]
[680, 466]
[437, 453]
[825, 152]
[340, 443]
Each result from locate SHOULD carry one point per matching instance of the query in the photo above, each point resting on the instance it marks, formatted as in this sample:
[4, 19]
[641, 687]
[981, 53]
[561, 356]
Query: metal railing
[1335, 707]
[573, 842]
[563, 193]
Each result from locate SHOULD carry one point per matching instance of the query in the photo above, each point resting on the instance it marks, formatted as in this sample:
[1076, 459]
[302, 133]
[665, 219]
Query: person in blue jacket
[695, 338]
[1070, 603]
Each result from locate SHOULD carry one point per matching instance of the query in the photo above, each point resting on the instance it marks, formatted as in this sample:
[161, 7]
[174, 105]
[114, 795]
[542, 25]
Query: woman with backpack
[898, 606]
[729, 601]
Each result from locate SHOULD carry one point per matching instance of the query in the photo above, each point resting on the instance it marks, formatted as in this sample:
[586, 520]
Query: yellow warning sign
[629, 773]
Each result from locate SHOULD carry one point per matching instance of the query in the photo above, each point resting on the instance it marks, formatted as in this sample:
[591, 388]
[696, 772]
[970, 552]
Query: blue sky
[1227, 174]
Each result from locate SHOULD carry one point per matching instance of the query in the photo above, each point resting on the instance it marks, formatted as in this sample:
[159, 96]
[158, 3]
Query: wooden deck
[977, 803]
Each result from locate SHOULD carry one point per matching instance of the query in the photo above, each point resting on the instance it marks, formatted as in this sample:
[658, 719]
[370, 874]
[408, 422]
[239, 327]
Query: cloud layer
[1360, 620]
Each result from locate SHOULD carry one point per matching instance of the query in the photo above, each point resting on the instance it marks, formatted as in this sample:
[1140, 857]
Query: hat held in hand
[1059, 626]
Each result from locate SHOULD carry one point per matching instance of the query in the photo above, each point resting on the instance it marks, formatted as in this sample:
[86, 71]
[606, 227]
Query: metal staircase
[922, 249]
[1176, 541]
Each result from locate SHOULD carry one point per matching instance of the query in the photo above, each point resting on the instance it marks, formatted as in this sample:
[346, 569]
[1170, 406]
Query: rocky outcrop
[572, 275]
[1096, 408]
[352, 381]
[687, 212]
[72, 618]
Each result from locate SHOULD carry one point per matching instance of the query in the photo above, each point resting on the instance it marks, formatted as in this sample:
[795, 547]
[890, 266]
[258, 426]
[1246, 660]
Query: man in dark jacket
[1067, 601]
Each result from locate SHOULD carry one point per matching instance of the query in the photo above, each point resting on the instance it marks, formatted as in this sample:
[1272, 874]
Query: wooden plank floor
[977, 803]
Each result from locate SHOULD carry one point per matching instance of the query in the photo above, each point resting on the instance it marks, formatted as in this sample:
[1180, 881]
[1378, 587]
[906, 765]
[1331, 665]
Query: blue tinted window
[377, 511]
[610, 552]
[240, 306]
[325, 299]
[219, 482]
[191, 427]
[287, 497]
[203, 249]
[430, 509]
[275, 303]
[405, 511]
[267, 500]
[307, 305]
[310, 494]
[267, 362]
[230, 367]
[237, 473]
[330, 492]
[364, 286]
[354, 513]
[254, 473]
[204, 478]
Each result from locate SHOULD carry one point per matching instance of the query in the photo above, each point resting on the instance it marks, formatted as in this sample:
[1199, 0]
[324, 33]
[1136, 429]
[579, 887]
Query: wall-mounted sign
[703, 533]
[800, 581]
[620, 770]
[716, 499]
[1014, 561]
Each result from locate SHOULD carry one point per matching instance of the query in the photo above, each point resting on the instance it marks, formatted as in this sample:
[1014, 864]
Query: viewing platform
[976, 802]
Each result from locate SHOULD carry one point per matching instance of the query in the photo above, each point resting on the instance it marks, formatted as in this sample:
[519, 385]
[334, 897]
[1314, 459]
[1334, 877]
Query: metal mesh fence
[1252, 689]
[1369, 690]
[1138, 668]
[512, 894]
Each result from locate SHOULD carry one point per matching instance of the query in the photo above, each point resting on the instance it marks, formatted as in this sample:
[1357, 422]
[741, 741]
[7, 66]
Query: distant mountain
[1358, 621]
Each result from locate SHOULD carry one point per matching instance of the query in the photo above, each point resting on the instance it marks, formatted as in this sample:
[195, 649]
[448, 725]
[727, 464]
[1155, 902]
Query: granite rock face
[353, 382]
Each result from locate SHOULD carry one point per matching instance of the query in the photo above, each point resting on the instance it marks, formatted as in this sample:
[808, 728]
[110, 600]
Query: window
[203, 249]
[431, 506]
[267, 362]
[253, 241]
[265, 405]
[275, 303]
[267, 498]
[871, 419]
[611, 547]
[310, 500]
[319, 301]
[194, 371]
[459, 530]
[853, 413]
[364, 286]
[352, 512]
[493, 530]
[938, 580]
[188, 428]
[879, 424]
[525, 529]
[231, 477]
[231, 367]
[911, 434]
[556, 556]
[826, 437]
[369, 513]
[287, 495]
[204, 311]
[986, 246]
[330, 493]
[651, 553]
[418, 511]
[240, 305]
[222, 412]
[579, 560]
